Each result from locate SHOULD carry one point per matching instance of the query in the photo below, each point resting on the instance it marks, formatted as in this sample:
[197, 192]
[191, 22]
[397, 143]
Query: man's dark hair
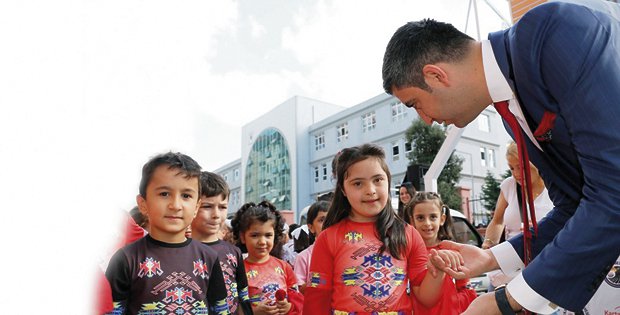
[179, 161]
[212, 185]
[417, 44]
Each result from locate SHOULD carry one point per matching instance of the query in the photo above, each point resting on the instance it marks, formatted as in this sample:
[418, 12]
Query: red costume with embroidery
[266, 278]
[348, 276]
[454, 300]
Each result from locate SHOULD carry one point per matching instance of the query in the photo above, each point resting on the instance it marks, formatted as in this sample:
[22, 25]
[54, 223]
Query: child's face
[427, 219]
[170, 205]
[317, 225]
[366, 188]
[258, 239]
[211, 215]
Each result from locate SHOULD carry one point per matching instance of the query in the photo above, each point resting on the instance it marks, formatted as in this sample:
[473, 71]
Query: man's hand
[475, 261]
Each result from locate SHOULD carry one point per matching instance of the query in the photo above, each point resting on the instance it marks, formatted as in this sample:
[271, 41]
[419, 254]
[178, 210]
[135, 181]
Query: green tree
[490, 191]
[426, 142]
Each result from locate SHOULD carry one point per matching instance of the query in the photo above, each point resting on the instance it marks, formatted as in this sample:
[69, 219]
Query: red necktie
[527, 200]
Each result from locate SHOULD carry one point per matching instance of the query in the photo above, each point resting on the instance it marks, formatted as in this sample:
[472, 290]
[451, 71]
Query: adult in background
[406, 191]
[507, 216]
[557, 70]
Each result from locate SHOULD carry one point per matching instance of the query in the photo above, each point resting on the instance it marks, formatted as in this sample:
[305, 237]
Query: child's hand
[443, 259]
[283, 307]
[263, 308]
[282, 303]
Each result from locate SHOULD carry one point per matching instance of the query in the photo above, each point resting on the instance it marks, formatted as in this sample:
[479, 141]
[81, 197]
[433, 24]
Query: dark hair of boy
[185, 164]
[250, 213]
[315, 208]
[390, 228]
[212, 185]
[446, 231]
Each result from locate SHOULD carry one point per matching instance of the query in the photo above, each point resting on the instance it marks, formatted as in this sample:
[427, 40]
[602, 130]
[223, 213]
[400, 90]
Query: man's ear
[142, 205]
[435, 75]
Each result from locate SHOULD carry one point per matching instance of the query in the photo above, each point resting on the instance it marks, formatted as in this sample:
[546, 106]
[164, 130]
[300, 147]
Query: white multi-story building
[287, 152]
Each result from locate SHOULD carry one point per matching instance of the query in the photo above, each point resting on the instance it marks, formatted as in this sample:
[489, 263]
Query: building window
[343, 132]
[316, 174]
[369, 121]
[235, 197]
[319, 141]
[483, 158]
[267, 176]
[491, 157]
[408, 147]
[324, 166]
[395, 151]
[483, 123]
[226, 177]
[398, 111]
[236, 174]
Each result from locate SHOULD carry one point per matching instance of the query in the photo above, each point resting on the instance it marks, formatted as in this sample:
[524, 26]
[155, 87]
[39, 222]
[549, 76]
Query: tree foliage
[426, 142]
[490, 191]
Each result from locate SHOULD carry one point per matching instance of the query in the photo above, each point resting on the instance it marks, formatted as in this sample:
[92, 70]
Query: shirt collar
[499, 89]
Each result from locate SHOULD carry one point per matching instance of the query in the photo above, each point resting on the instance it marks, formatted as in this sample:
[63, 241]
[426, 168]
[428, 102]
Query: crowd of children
[366, 259]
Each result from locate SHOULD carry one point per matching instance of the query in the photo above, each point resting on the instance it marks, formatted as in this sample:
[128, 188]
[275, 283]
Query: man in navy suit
[559, 69]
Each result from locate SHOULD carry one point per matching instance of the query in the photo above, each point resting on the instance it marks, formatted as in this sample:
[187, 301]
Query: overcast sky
[89, 90]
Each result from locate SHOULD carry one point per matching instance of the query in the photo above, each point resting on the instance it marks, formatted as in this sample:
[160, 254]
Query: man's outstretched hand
[475, 261]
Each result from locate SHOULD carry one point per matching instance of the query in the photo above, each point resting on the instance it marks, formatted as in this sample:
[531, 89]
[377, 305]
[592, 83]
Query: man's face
[170, 205]
[438, 106]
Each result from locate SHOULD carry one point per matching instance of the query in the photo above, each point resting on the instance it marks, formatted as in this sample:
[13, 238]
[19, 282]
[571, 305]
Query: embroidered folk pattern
[377, 275]
[177, 279]
[151, 308]
[372, 305]
[315, 280]
[178, 296]
[243, 294]
[201, 269]
[231, 286]
[279, 270]
[337, 312]
[150, 268]
[353, 236]
[232, 260]
[365, 250]
[119, 309]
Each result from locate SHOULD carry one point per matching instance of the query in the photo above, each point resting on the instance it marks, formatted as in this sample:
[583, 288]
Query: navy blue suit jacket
[565, 59]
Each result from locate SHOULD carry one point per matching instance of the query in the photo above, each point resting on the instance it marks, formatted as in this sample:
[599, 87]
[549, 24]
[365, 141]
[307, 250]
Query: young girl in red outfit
[366, 255]
[432, 219]
[272, 286]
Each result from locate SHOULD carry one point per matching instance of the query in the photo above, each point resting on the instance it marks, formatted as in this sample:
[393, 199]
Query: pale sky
[89, 90]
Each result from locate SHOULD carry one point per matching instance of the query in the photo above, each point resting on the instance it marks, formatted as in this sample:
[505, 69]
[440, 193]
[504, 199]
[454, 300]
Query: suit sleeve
[579, 69]
[216, 292]
[317, 297]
